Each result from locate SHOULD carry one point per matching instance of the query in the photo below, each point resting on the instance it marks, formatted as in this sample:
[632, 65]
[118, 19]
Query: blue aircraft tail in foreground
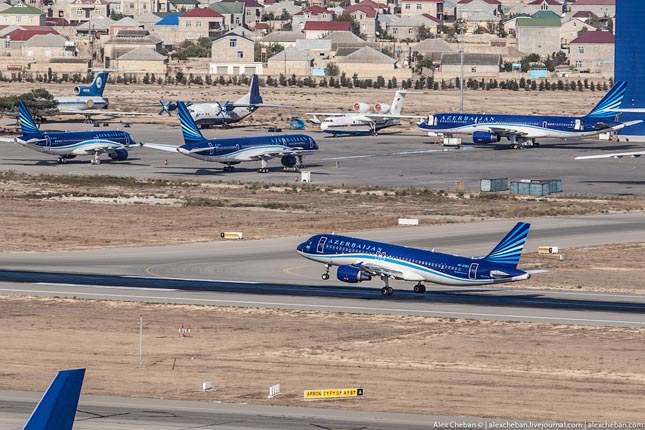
[27, 123]
[609, 106]
[188, 127]
[509, 250]
[57, 408]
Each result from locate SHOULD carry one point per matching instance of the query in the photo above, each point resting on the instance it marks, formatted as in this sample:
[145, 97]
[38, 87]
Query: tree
[332, 70]
[270, 50]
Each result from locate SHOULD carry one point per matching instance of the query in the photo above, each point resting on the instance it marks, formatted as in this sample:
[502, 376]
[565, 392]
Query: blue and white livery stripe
[27, 123]
[509, 250]
[609, 105]
[188, 127]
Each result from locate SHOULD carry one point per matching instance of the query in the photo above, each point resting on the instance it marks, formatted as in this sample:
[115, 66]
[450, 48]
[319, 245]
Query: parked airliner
[358, 260]
[523, 130]
[216, 113]
[67, 145]
[363, 122]
[57, 408]
[290, 148]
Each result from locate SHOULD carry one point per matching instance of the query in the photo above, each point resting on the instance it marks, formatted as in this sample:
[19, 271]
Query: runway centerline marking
[339, 308]
[113, 287]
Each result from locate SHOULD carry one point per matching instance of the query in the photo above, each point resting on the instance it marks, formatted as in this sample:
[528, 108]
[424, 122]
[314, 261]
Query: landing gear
[373, 130]
[229, 168]
[419, 288]
[61, 160]
[299, 165]
[325, 276]
[386, 290]
[263, 166]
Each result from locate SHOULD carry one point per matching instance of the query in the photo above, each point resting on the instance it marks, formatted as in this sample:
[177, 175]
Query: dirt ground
[405, 364]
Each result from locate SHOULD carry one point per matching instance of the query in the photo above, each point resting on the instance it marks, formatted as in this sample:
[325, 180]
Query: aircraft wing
[328, 113]
[160, 147]
[506, 131]
[375, 270]
[257, 105]
[635, 154]
[380, 115]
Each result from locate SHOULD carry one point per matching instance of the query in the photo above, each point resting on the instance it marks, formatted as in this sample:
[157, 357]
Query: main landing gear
[419, 288]
[61, 160]
[386, 290]
[96, 161]
[263, 166]
[325, 276]
[229, 168]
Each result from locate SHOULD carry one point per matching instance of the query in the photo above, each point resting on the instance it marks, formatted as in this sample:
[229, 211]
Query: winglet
[509, 250]
[27, 123]
[57, 407]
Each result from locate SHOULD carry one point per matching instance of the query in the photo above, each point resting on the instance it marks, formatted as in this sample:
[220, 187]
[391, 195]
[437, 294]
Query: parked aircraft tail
[397, 103]
[27, 123]
[509, 250]
[98, 85]
[188, 127]
[252, 97]
[57, 408]
[610, 104]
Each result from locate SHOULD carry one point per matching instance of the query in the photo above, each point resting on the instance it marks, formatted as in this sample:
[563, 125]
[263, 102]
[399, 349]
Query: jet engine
[382, 107]
[361, 107]
[485, 137]
[351, 274]
[119, 155]
[289, 161]
[89, 103]
[79, 90]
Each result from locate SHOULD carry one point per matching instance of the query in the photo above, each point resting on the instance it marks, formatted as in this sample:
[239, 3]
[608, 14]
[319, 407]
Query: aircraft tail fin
[98, 85]
[397, 103]
[254, 91]
[610, 104]
[188, 127]
[27, 123]
[509, 250]
[57, 408]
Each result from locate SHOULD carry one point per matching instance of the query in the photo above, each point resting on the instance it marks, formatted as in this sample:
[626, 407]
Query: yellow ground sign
[331, 394]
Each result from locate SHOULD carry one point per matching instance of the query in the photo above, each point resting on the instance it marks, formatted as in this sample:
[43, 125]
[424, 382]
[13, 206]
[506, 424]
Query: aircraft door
[48, 142]
[579, 125]
[545, 124]
[320, 249]
[211, 150]
[472, 271]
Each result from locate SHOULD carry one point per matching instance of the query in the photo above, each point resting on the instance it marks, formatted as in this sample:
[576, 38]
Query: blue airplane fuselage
[77, 142]
[243, 149]
[530, 126]
[414, 264]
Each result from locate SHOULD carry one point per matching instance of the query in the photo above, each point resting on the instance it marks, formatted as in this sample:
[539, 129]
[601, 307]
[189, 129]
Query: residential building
[233, 13]
[283, 38]
[288, 62]
[22, 15]
[479, 11]
[538, 36]
[543, 5]
[407, 27]
[200, 22]
[128, 40]
[369, 63]
[419, 7]
[80, 11]
[320, 29]
[365, 15]
[601, 8]
[142, 60]
[252, 12]
[312, 13]
[233, 54]
[593, 52]
[42, 46]
[125, 23]
[572, 29]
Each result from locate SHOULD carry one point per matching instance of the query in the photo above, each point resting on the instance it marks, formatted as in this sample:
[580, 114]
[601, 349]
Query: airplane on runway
[57, 408]
[290, 148]
[523, 130]
[68, 145]
[89, 100]
[358, 260]
[208, 114]
[364, 122]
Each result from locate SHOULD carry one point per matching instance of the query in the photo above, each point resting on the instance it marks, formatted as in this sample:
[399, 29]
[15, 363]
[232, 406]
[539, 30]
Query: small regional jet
[89, 100]
[364, 122]
[208, 114]
[57, 408]
[523, 130]
[358, 260]
[68, 145]
[290, 148]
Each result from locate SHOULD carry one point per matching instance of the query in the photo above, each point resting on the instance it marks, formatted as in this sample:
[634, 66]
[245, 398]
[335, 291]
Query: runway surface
[270, 274]
[100, 412]
[393, 158]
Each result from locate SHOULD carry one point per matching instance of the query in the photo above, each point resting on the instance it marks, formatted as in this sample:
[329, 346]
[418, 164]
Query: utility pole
[462, 29]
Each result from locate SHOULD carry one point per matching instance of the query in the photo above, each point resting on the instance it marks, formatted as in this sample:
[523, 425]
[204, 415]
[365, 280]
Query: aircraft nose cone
[301, 247]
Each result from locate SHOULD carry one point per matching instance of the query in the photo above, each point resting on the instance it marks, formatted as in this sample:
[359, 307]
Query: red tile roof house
[312, 13]
[366, 16]
[593, 52]
[320, 29]
[200, 22]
